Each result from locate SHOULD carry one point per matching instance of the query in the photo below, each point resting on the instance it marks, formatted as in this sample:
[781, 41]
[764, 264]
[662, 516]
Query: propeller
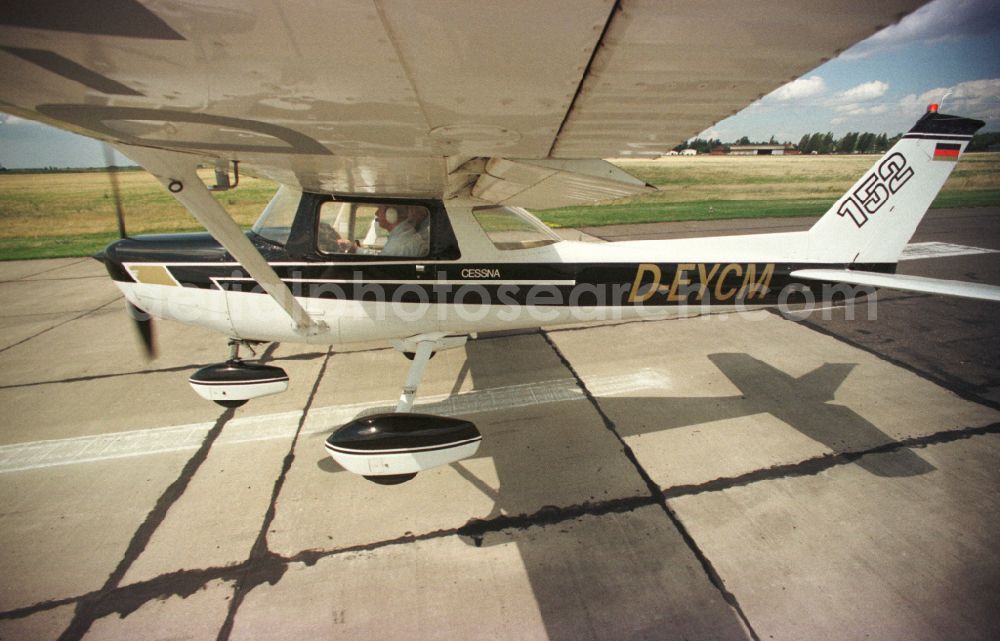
[142, 320]
[144, 326]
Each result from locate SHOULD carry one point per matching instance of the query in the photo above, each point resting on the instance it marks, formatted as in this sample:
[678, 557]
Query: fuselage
[474, 277]
[364, 268]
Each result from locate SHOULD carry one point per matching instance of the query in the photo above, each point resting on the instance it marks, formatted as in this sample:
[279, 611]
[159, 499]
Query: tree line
[854, 142]
[982, 142]
[69, 170]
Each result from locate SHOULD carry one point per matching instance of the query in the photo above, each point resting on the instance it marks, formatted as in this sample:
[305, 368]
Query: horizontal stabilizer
[901, 282]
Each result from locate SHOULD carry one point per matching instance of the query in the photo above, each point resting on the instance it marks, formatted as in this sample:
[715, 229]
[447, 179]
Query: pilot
[407, 233]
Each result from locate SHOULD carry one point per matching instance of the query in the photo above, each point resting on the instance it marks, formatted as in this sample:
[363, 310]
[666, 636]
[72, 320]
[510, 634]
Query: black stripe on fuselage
[541, 284]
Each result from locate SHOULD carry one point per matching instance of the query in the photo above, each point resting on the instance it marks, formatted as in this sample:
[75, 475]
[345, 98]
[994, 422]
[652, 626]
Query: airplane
[409, 139]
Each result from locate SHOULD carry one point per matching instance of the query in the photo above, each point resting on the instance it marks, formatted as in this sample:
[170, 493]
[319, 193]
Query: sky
[881, 85]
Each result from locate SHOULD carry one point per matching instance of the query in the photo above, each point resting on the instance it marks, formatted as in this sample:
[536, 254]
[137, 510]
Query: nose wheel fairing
[233, 383]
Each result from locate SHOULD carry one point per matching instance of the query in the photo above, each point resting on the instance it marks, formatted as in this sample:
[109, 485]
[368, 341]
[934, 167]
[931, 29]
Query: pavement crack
[53, 268]
[267, 356]
[815, 465]
[33, 279]
[102, 602]
[98, 377]
[270, 567]
[35, 608]
[263, 565]
[57, 325]
[476, 529]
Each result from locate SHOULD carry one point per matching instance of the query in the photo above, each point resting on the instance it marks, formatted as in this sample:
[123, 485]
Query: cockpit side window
[513, 228]
[275, 222]
[374, 229]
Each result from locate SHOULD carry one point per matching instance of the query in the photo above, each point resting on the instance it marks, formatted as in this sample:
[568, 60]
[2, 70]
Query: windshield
[513, 228]
[275, 223]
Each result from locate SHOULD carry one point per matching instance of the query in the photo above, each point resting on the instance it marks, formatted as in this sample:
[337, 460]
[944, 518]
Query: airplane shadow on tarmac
[656, 594]
[803, 403]
[632, 561]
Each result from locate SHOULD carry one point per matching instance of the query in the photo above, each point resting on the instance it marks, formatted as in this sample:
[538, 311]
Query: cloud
[934, 22]
[861, 110]
[978, 99]
[800, 88]
[853, 101]
[9, 120]
[972, 99]
[864, 91]
[858, 110]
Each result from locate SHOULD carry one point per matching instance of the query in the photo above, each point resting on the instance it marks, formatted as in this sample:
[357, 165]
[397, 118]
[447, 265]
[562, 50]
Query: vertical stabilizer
[875, 219]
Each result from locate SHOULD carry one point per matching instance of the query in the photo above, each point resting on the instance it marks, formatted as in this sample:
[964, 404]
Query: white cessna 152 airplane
[408, 135]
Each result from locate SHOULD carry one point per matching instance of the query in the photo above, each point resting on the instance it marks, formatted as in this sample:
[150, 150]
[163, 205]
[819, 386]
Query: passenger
[408, 235]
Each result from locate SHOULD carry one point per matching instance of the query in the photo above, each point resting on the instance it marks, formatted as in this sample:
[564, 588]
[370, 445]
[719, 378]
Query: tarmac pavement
[724, 477]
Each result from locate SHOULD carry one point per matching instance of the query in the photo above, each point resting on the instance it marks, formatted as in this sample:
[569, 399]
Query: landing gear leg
[392, 448]
[234, 348]
[422, 348]
[420, 359]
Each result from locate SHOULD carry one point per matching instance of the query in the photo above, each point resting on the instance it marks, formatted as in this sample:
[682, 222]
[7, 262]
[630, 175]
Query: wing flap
[905, 283]
[541, 184]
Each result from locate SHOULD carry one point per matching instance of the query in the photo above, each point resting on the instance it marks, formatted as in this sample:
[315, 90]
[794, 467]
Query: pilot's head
[388, 217]
[417, 216]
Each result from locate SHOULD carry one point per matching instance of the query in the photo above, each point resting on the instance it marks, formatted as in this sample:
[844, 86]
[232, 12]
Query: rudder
[872, 223]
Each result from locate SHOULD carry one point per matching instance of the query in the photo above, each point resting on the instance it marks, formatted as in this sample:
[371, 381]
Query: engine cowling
[392, 448]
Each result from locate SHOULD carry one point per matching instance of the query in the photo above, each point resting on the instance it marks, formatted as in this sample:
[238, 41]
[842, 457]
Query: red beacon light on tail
[932, 108]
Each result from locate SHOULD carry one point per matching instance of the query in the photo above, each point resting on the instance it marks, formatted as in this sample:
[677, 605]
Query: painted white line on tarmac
[162, 440]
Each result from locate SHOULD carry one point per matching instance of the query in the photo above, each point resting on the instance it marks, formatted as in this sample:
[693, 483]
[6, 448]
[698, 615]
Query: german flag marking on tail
[947, 151]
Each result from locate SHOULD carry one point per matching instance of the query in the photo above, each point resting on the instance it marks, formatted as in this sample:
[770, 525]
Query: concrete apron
[706, 478]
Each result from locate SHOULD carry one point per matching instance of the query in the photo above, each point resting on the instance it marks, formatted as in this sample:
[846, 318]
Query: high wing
[426, 99]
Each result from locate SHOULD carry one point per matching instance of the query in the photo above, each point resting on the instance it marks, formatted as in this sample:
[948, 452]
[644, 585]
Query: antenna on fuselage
[941, 102]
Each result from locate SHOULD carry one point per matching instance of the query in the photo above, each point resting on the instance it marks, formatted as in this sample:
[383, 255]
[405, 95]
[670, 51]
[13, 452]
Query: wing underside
[393, 97]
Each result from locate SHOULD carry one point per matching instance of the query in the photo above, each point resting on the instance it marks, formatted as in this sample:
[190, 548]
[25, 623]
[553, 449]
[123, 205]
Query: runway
[732, 476]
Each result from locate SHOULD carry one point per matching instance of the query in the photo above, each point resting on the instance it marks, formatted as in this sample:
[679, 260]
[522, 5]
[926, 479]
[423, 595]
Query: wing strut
[178, 173]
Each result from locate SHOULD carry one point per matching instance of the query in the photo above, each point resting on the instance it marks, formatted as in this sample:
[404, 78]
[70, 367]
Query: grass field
[717, 187]
[72, 214]
[47, 215]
